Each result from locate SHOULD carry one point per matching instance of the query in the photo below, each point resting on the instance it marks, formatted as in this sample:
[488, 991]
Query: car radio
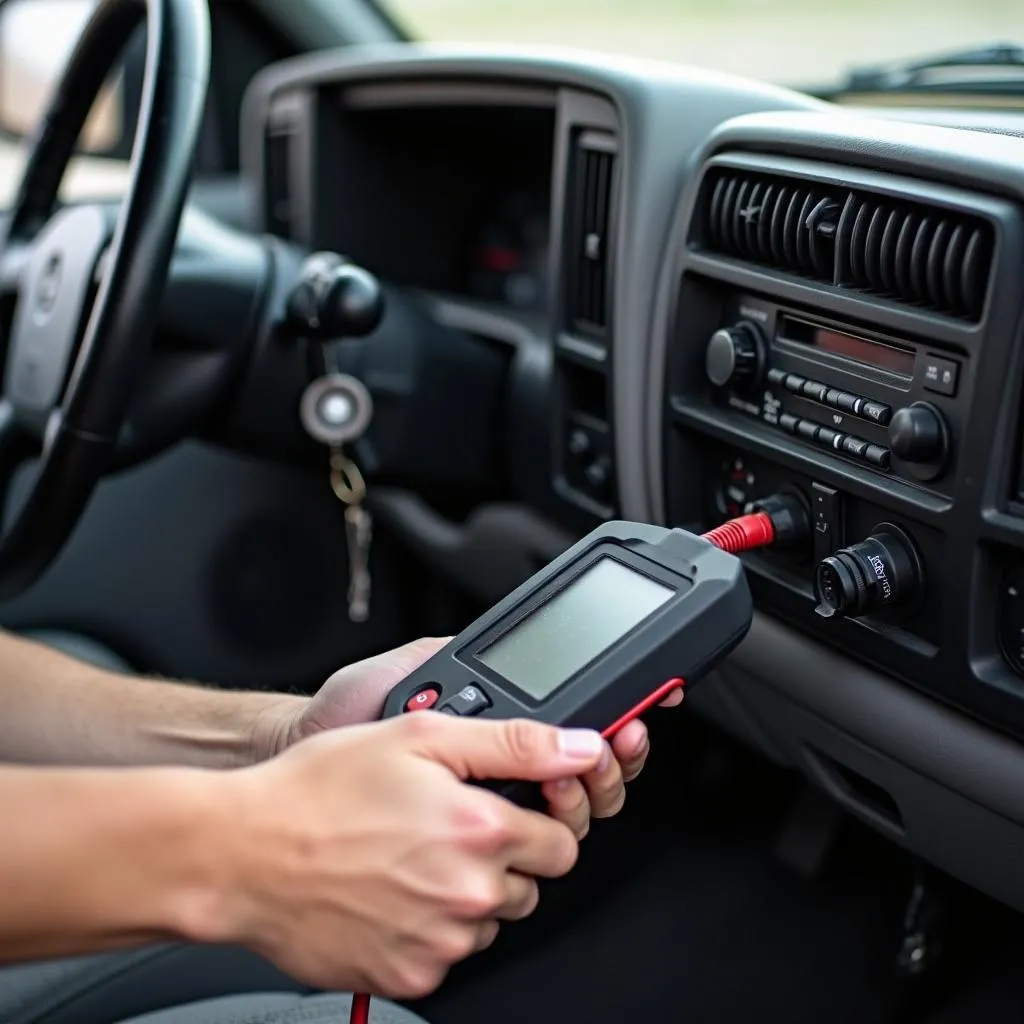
[885, 403]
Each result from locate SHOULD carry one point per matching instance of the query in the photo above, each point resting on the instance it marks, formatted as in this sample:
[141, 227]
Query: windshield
[790, 42]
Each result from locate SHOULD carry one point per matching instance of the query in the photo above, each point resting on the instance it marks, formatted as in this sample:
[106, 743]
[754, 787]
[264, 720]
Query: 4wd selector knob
[735, 356]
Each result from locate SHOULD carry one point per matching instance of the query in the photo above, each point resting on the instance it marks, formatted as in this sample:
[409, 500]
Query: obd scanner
[596, 638]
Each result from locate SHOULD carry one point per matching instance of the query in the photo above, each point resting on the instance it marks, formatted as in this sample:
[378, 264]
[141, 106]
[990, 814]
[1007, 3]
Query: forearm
[97, 859]
[57, 710]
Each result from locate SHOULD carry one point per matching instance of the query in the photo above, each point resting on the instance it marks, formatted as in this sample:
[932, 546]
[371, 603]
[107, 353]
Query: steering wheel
[80, 292]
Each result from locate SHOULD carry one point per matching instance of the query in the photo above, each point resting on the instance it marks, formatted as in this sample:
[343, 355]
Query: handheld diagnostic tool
[595, 638]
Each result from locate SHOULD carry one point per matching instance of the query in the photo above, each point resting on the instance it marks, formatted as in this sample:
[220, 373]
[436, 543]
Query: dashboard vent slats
[908, 252]
[591, 184]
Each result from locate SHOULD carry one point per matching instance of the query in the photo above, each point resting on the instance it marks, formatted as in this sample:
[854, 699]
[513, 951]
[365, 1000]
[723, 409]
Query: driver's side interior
[168, 512]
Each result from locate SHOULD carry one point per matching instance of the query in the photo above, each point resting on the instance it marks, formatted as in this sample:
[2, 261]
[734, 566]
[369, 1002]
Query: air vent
[916, 254]
[590, 200]
[911, 253]
[781, 223]
[285, 127]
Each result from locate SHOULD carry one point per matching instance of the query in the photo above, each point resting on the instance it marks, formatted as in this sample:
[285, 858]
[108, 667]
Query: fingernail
[580, 744]
[606, 759]
[563, 784]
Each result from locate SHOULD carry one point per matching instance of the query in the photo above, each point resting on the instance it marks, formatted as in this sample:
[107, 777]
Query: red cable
[360, 1013]
[742, 534]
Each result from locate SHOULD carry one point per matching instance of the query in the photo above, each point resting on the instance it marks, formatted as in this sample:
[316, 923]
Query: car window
[36, 39]
[792, 42]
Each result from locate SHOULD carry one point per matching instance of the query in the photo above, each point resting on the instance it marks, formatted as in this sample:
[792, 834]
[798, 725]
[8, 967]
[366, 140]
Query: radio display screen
[873, 353]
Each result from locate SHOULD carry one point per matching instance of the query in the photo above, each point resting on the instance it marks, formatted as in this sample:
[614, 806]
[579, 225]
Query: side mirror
[36, 40]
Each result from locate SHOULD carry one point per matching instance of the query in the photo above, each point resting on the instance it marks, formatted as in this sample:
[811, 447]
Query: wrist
[276, 725]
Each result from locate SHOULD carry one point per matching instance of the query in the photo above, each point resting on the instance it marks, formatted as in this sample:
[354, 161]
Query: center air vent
[589, 203]
[909, 252]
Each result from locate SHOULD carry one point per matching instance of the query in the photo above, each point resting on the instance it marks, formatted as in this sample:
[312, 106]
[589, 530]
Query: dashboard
[705, 291]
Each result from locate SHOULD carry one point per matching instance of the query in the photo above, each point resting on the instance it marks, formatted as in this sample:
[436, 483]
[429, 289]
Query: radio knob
[735, 356]
[918, 434]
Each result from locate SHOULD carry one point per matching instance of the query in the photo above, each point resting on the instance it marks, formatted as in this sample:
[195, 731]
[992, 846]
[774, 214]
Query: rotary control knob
[735, 357]
[880, 572]
[918, 434]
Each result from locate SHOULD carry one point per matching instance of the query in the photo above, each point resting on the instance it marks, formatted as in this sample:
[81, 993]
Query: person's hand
[359, 860]
[356, 694]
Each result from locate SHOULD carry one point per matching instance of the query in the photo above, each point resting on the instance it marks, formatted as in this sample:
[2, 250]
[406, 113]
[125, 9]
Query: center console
[852, 336]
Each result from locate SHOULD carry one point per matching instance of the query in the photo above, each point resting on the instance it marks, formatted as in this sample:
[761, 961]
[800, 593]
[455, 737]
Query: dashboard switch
[826, 520]
[878, 456]
[815, 390]
[855, 446]
[941, 375]
[849, 403]
[877, 412]
[830, 438]
[807, 429]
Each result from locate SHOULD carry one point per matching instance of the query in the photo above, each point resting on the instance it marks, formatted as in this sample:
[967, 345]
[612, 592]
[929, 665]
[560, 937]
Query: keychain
[335, 410]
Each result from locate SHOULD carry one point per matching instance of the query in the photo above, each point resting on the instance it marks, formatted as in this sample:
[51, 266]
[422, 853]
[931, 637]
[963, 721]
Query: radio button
[878, 456]
[813, 389]
[830, 438]
[777, 376]
[940, 375]
[848, 403]
[808, 430]
[877, 412]
[832, 397]
[789, 422]
[855, 446]
[795, 383]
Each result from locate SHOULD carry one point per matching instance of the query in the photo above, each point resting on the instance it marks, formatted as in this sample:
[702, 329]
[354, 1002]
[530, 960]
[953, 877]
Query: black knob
[735, 356]
[918, 434]
[882, 571]
[334, 299]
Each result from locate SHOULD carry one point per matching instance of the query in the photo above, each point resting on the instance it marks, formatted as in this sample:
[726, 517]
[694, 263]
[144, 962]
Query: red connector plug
[743, 534]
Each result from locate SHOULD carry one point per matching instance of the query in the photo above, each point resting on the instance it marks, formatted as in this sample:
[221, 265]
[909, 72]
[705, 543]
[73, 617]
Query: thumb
[511, 749]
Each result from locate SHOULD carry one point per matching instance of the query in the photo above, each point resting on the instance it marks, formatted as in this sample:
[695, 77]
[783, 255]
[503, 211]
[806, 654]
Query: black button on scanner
[470, 700]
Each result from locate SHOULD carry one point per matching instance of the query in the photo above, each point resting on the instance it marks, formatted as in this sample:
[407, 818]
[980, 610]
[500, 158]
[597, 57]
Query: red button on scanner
[423, 701]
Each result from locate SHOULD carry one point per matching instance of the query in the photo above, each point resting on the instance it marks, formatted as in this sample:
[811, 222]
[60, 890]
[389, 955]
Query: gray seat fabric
[110, 987]
[277, 1009]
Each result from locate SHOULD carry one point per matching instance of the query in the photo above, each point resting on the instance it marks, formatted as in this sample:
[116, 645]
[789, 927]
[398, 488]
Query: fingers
[631, 747]
[568, 803]
[673, 700]
[536, 844]
[512, 749]
[606, 788]
[486, 933]
[521, 898]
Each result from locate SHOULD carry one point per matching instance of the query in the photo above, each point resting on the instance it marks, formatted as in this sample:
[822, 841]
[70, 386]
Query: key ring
[346, 480]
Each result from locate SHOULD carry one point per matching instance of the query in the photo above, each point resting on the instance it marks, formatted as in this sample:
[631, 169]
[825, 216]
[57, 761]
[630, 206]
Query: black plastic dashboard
[851, 284]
